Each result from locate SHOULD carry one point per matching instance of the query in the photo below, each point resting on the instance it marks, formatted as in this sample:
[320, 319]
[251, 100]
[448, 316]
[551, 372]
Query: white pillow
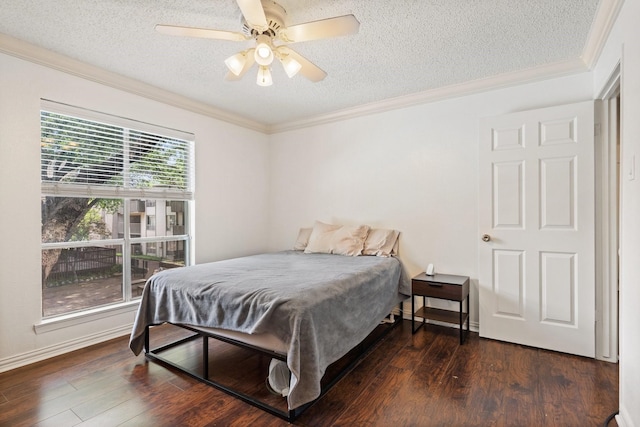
[303, 239]
[381, 242]
[337, 239]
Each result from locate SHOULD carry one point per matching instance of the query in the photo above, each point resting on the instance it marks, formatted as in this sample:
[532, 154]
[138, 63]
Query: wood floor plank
[422, 379]
[338, 400]
[117, 415]
[380, 397]
[91, 408]
[174, 407]
[146, 397]
[571, 381]
[430, 365]
[46, 389]
[64, 419]
[27, 410]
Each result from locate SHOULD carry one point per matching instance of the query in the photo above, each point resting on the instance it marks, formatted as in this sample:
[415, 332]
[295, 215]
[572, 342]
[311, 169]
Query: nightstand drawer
[439, 290]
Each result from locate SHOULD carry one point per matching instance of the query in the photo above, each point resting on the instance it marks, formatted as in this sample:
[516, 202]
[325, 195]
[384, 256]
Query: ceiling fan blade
[254, 14]
[250, 60]
[174, 30]
[325, 28]
[309, 70]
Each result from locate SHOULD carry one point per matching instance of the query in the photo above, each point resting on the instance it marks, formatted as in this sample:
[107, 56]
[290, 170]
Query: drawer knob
[486, 238]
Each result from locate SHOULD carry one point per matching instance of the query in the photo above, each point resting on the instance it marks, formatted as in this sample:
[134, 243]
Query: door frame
[607, 112]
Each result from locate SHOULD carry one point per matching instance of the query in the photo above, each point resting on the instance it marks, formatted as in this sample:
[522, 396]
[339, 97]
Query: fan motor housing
[275, 15]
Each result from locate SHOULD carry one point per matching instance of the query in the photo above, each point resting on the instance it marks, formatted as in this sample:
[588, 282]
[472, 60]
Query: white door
[536, 208]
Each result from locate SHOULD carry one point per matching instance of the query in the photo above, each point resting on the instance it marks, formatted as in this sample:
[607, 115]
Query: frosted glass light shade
[291, 66]
[264, 76]
[236, 63]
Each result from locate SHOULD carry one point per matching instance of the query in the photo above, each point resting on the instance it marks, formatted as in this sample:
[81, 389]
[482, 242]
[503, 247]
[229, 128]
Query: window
[106, 181]
[151, 222]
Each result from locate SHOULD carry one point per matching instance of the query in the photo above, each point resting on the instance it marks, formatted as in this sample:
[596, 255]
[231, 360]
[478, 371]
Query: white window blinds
[95, 154]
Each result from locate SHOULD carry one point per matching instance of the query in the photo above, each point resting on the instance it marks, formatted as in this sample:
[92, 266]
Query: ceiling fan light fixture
[263, 21]
[236, 63]
[264, 76]
[264, 52]
[291, 66]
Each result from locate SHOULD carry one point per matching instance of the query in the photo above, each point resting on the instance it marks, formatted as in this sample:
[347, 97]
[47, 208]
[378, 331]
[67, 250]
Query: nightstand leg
[424, 304]
[468, 316]
[413, 313]
[461, 323]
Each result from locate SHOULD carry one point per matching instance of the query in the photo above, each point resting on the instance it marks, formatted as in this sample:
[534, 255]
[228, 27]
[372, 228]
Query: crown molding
[38, 55]
[603, 22]
[606, 15]
[558, 69]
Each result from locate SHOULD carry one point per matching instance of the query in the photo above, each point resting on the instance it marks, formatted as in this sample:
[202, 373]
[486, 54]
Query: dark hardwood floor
[425, 379]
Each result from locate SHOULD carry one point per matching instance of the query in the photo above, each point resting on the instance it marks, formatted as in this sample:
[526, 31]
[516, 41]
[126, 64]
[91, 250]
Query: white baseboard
[624, 418]
[40, 354]
[473, 326]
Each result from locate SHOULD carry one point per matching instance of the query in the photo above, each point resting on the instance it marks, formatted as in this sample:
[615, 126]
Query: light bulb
[263, 53]
[264, 76]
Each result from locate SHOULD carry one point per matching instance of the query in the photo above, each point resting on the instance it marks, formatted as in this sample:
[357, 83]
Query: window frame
[73, 190]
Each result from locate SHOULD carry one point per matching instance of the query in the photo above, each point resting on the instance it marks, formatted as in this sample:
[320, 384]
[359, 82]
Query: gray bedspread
[319, 305]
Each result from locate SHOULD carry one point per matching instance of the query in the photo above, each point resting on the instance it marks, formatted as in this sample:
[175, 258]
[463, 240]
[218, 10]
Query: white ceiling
[403, 47]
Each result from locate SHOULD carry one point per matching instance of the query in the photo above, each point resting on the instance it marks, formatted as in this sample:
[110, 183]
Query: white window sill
[69, 320]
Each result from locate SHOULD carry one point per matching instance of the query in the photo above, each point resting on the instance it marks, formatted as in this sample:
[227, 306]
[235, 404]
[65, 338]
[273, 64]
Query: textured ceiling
[402, 48]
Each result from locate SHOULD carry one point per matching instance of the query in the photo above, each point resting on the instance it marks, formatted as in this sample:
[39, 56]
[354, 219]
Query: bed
[308, 309]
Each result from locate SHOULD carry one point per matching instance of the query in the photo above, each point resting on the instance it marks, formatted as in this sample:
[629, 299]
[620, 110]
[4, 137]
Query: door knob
[486, 238]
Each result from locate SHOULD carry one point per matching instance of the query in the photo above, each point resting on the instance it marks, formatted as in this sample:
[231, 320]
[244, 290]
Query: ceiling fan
[264, 21]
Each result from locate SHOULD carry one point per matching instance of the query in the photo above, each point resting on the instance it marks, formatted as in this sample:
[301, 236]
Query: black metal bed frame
[290, 415]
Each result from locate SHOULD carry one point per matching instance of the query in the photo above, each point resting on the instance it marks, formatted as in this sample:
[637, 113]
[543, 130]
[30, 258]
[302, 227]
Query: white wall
[630, 219]
[231, 191]
[413, 169]
[623, 46]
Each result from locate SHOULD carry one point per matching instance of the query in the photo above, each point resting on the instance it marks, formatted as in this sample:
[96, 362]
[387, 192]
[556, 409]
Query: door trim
[607, 231]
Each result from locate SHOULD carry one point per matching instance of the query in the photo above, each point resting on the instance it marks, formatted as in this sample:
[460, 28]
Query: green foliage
[108, 205]
[162, 166]
[147, 257]
[90, 227]
[81, 151]
[70, 147]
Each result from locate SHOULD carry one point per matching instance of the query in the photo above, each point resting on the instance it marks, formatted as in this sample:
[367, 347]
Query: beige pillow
[303, 239]
[381, 242]
[337, 239]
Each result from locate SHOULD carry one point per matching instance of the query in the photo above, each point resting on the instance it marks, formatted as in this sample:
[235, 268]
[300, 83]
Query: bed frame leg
[146, 339]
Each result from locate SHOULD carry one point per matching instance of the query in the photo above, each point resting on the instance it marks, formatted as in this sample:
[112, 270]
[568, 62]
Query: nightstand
[442, 286]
